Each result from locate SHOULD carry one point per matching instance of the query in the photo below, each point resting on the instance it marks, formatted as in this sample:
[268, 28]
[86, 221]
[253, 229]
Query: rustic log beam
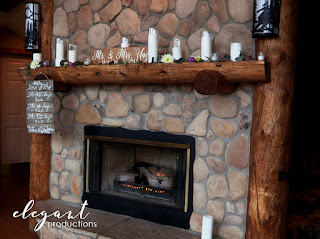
[46, 28]
[212, 83]
[271, 132]
[243, 71]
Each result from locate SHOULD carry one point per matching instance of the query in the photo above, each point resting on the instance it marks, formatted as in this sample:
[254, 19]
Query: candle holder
[215, 57]
[176, 49]
[125, 42]
[86, 61]
[72, 53]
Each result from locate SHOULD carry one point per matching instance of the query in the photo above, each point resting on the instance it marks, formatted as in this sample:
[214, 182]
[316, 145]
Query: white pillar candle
[59, 52]
[207, 226]
[37, 57]
[72, 53]
[152, 45]
[205, 46]
[176, 50]
[235, 50]
[260, 57]
[124, 42]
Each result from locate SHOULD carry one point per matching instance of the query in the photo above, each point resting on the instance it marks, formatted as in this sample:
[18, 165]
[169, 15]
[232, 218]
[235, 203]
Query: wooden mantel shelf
[202, 74]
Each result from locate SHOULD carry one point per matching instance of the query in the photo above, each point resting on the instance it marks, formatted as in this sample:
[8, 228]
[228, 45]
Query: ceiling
[8, 5]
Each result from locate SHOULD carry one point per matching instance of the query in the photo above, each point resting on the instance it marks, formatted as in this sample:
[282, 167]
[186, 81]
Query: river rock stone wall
[220, 125]
[95, 24]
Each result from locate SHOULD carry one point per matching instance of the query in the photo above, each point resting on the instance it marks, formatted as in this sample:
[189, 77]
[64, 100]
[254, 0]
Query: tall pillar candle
[176, 49]
[207, 226]
[205, 46]
[152, 45]
[235, 50]
[59, 52]
[72, 53]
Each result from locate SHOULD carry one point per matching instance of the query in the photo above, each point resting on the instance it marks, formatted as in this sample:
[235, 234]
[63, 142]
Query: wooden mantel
[220, 76]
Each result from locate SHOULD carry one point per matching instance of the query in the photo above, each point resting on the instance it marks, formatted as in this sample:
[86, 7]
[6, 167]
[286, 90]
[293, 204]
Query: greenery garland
[166, 58]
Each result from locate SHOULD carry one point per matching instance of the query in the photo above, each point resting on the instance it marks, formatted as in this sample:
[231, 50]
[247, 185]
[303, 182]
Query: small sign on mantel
[128, 55]
[40, 109]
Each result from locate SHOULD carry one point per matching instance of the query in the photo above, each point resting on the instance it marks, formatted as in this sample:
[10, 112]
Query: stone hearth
[114, 226]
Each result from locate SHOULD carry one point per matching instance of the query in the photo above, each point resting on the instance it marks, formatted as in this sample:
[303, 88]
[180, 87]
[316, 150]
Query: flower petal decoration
[167, 58]
[191, 59]
[34, 65]
[198, 58]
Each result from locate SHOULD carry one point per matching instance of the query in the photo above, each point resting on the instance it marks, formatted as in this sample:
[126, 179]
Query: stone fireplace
[219, 125]
[140, 173]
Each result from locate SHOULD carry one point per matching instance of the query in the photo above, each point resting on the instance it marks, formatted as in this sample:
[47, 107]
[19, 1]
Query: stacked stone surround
[95, 24]
[220, 125]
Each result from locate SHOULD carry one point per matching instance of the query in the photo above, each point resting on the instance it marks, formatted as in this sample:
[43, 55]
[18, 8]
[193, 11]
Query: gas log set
[147, 180]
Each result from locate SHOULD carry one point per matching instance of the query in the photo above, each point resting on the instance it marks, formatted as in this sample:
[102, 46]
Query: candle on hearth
[72, 53]
[205, 46]
[235, 50]
[152, 45]
[37, 57]
[124, 42]
[207, 226]
[176, 49]
[59, 52]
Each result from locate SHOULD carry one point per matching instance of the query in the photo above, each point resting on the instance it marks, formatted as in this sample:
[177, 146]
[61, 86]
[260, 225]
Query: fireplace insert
[143, 174]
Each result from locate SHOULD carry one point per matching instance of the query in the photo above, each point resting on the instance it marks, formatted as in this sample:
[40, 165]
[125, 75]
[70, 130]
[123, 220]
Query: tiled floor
[14, 193]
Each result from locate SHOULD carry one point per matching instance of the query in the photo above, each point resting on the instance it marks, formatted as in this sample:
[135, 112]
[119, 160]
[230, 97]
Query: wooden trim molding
[40, 153]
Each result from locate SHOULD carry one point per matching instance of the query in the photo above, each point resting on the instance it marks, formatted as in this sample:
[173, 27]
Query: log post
[40, 144]
[40, 157]
[271, 132]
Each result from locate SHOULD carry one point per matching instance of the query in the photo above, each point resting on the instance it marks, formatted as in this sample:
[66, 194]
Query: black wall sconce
[32, 26]
[266, 18]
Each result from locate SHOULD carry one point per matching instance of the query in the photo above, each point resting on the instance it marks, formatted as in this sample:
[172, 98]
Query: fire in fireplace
[143, 174]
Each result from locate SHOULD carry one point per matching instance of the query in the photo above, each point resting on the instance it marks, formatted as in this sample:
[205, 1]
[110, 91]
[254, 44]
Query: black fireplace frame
[142, 210]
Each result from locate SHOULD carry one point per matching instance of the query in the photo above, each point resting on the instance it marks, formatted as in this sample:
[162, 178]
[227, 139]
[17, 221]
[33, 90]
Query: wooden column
[40, 144]
[40, 157]
[271, 133]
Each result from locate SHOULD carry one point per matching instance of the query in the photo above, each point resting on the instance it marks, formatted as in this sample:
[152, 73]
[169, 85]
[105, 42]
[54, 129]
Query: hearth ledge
[109, 225]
